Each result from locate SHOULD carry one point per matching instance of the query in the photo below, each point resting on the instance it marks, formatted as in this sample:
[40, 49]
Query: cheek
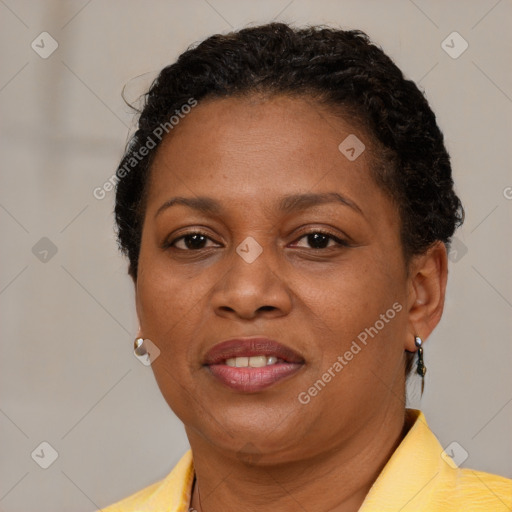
[166, 305]
[358, 311]
[352, 294]
[166, 294]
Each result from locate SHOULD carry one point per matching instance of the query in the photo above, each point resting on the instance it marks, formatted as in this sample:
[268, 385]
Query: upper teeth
[253, 361]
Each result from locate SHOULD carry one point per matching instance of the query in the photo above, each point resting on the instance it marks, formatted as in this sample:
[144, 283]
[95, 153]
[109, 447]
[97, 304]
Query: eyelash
[339, 241]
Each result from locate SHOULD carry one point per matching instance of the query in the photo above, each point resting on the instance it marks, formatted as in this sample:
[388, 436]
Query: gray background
[68, 375]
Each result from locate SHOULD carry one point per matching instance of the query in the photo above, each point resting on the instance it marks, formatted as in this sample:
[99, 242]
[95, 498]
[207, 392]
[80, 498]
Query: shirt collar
[408, 479]
[176, 489]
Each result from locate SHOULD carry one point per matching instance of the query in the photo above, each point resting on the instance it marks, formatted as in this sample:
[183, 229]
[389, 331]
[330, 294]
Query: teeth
[257, 361]
[253, 361]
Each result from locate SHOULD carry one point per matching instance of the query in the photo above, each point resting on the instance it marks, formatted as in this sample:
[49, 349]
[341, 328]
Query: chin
[258, 434]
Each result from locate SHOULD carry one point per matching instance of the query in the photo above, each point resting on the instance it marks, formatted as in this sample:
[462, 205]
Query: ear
[428, 274]
[137, 307]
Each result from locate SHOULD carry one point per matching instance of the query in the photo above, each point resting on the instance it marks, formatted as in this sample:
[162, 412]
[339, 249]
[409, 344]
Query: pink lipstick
[252, 364]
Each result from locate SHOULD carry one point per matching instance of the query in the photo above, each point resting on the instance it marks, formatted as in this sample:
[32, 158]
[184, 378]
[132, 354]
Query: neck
[337, 480]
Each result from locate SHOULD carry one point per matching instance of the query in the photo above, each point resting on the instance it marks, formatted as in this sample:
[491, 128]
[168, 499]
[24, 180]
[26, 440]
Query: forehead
[255, 149]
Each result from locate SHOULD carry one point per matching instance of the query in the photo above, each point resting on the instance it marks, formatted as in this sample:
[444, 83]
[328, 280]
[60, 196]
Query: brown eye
[320, 240]
[192, 241]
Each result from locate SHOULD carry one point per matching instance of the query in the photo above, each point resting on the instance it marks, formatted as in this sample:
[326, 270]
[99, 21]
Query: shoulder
[133, 502]
[171, 494]
[421, 476]
[481, 491]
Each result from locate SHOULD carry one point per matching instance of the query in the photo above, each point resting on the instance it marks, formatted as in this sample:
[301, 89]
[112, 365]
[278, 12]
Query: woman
[286, 206]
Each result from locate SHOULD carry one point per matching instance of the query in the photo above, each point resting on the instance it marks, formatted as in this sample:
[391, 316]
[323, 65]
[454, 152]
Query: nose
[252, 288]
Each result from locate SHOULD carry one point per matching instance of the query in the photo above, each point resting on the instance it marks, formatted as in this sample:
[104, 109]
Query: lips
[247, 347]
[222, 363]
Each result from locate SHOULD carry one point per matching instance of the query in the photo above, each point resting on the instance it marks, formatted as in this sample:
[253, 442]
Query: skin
[267, 447]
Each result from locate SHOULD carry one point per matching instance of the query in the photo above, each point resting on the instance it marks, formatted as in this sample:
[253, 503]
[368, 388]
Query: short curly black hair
[341, 69]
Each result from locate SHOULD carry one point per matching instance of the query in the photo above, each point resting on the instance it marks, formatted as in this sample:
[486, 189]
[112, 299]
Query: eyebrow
[287, 204]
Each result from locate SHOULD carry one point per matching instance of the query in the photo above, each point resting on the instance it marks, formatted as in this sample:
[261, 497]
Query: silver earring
[421, 369]
[138, 347]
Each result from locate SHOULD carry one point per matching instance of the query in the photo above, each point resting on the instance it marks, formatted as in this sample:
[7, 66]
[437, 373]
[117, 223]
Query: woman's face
[330, 301]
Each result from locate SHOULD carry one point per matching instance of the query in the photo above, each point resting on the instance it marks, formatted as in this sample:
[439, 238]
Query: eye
[319, 239]
[192, 241]
[197, 240]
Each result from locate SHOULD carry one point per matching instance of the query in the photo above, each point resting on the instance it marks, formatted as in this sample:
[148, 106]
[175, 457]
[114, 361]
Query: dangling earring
[421, 369]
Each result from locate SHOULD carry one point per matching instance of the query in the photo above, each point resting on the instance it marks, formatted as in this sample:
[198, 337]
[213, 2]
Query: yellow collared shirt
[419, 477]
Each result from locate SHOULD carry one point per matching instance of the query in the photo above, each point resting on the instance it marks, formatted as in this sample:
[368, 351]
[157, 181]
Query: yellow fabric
[415, 479]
